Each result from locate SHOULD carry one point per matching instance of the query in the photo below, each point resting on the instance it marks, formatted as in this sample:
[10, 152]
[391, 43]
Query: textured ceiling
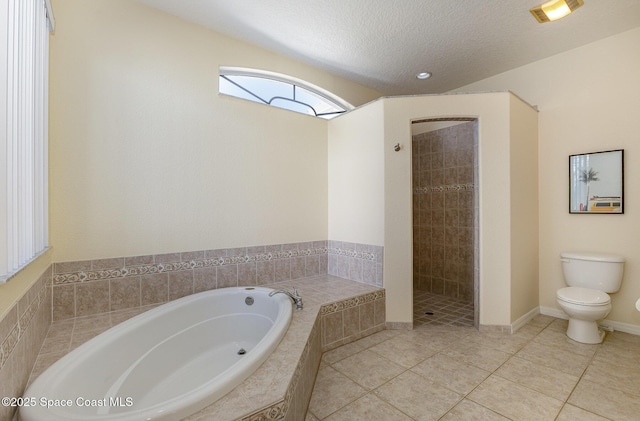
[383, 44]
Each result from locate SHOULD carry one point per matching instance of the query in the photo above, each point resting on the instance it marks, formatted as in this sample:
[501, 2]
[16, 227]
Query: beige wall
[524, 209]
[399, 112]
[588, 101]
[356, 176]
[147, 158]
[492, 111]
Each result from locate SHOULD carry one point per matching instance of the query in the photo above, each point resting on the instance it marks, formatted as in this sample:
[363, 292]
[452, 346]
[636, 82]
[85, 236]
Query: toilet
[591, 278]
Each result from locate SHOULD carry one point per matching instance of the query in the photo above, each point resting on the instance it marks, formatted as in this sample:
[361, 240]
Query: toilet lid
[584, 296]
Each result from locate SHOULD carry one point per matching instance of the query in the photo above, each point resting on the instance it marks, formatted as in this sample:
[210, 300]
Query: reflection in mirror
[596, 182]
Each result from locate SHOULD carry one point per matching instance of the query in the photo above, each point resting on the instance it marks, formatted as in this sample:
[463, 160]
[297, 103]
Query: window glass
[319, 104]
[290, 105]
[281, 91]
[226, 87]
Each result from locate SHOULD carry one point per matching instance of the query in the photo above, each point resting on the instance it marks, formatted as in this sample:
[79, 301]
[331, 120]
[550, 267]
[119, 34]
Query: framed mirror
[596, 182]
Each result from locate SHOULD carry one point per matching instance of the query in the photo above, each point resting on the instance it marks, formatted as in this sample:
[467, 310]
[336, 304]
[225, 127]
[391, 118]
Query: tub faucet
[297, 299]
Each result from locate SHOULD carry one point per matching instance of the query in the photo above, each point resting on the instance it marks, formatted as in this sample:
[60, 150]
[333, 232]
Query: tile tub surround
[444, 193]
[281, 387]
[355, 261]
[92, 287]
[457, 373]
[22, 332]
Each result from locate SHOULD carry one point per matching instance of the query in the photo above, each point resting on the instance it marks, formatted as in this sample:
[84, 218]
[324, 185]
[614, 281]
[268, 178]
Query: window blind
[24, 58]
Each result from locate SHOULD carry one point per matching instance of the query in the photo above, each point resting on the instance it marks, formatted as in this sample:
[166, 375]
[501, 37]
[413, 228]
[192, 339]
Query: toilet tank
[590, 270]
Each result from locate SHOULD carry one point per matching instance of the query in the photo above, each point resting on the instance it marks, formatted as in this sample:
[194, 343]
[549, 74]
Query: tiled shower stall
[445, 188]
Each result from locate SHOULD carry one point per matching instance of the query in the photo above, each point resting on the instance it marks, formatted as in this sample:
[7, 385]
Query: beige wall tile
[265, 272]
[282, 270]
[204, 279]
[65, 267]
[64, 301]
[180, 284]
[124, 293]
[154, 288]
[138, 260]
[227, 276]
[92, 298]
[298, 269]
[114, 263]
[332, 325]
[351, 320]
[247, 274]
[367, 316]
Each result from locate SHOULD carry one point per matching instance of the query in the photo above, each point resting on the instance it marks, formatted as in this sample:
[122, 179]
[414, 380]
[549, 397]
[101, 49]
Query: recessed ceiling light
[423, 75]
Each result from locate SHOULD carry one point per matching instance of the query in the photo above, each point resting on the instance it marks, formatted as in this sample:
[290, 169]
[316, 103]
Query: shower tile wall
[443, 211]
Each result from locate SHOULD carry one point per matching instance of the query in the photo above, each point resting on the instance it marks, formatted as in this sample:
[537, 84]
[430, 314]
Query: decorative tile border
[357, 254]
[452, 187]
[351, 302]
[276, 411]
[314, 249]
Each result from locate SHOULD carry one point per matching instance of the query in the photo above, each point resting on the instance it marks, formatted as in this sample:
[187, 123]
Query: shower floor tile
[434, 309]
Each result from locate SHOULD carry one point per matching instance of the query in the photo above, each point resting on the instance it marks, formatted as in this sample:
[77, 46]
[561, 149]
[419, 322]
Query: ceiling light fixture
[423, 75]
[555, 9]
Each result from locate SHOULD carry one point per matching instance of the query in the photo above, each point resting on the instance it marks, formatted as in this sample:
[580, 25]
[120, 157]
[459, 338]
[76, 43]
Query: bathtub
[166, 363]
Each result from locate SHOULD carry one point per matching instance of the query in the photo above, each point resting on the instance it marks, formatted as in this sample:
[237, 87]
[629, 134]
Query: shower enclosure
[445, 207]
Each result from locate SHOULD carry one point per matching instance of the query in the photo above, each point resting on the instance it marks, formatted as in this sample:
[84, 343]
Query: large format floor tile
[332, 391]
[420, 398]
[515, 401]
[370, 408]
[368, 369]
[452, 372]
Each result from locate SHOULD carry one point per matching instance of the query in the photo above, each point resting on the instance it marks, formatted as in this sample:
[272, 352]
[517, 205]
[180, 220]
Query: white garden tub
[166, 363]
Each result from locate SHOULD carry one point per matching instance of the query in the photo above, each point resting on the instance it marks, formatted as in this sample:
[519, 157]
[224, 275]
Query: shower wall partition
[444, 211]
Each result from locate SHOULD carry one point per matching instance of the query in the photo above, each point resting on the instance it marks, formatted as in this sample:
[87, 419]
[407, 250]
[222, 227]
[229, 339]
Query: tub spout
[297, 299]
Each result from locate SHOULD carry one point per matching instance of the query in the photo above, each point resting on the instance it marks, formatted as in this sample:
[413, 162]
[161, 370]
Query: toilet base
[585, 331]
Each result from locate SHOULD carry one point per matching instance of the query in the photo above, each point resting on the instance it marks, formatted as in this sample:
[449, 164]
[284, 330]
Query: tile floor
[453, 372]
[434, 309]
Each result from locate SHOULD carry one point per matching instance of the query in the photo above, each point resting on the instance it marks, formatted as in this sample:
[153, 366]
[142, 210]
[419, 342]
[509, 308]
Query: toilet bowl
[585, 307]
[590, 278]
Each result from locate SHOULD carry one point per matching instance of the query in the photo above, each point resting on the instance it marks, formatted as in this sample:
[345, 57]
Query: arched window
[281, 91]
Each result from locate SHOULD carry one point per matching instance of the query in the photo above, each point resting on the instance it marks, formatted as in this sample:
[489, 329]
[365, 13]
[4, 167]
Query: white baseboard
[554, 312]
[513, 327]
[619, 326]
[622, 327]
[524, 319]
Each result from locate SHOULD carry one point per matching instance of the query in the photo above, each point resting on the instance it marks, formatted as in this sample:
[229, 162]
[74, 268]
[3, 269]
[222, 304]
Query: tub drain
[242, 351]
